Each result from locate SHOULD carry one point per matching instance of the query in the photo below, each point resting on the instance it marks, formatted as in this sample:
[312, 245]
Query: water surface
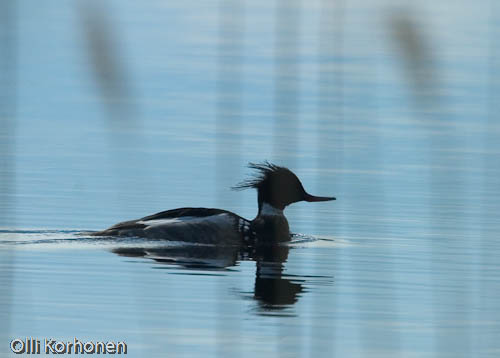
[123, 110]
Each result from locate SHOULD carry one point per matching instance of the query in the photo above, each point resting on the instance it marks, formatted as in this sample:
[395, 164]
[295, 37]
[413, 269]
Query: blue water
[123, 110]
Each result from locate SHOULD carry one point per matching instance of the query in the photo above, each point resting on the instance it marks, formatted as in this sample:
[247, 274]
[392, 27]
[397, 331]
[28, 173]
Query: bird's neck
[266, 209]
[270, 225]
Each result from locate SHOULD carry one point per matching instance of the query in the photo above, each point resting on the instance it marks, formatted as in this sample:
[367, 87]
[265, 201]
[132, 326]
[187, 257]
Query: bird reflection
[272, 290]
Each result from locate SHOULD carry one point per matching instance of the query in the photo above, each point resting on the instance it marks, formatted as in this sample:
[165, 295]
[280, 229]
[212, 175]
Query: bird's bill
[312, 198]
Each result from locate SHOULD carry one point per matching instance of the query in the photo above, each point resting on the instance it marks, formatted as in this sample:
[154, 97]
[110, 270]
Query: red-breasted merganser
[276, 186]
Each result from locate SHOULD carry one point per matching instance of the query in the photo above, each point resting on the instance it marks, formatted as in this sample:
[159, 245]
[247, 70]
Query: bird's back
[200, 225]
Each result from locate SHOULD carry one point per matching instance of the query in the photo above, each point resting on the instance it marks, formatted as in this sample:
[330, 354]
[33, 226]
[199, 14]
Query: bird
[277, 187]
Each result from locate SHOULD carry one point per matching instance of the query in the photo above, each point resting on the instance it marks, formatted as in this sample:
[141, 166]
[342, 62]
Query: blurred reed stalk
[228, 126]
[230, 46]
[330, 101]
[106, 62]
[8, 113]
[286, 80]
[420, 62]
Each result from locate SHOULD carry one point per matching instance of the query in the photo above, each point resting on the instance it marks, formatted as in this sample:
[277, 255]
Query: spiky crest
[264, 170]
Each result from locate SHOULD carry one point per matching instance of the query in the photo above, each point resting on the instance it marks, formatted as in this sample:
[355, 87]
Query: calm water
[115, 111]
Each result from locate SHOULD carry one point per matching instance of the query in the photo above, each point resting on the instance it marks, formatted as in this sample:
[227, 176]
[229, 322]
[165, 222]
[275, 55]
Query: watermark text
[31, 345]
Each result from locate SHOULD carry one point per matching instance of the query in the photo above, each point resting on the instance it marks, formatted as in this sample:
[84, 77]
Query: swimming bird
[277, 187]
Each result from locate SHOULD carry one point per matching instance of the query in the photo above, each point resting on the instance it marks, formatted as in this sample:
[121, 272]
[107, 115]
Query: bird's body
[277, 187]
[200, 225]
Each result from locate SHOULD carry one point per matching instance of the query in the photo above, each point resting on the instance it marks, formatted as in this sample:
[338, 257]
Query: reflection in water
[272, 290]
[192, 256]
